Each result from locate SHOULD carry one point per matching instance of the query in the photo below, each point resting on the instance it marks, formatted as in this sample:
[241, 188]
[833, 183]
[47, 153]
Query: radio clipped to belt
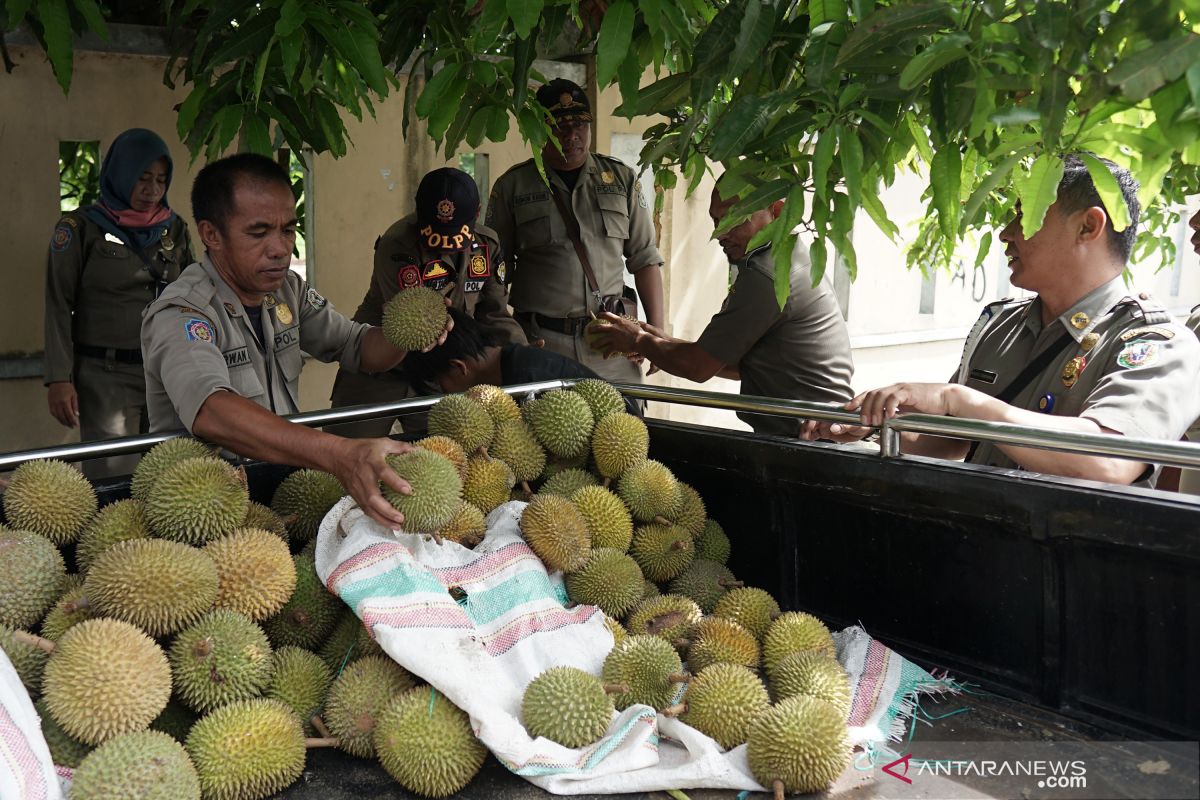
[624, 304]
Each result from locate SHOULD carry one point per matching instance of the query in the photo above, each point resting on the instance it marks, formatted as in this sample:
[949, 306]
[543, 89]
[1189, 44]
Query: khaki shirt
[197, 339]
[473, 279]
[1129, 367]
[1193, 323]
[615, 228]
[799, 353]
[96, 289]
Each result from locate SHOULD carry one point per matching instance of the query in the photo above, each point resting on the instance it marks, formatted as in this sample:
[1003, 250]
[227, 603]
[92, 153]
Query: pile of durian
[195, 652]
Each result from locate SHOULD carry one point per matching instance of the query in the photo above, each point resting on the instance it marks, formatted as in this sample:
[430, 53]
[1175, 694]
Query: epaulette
[1150, 311]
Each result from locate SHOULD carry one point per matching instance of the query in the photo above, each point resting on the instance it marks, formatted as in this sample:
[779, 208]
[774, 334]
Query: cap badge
[445, 210]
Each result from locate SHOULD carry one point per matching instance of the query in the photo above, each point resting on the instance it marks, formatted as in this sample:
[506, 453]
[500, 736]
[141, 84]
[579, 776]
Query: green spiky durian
[749, 607]
[299, 680]
[566, 482]
[358, 696]
[650, 589]
[487, 483]
[689, 512]
[426, 743]
[309, 614]
[64, 751]
[609, 579]
[303, 499]
[263, 518]
[27, 659]
[197, 500]
[813, 673]
[32, 575]
[116, 522]
[566, 705]
[105, 678]
[516, 446]
[649, 489]
[669, 617]
[562, 421]
[800, 742]
[413, 319]
[467, 527]
[607, 518]
[553, 527]
[704, 581]
[448, 448]
[716, 640]
[499, 403]
[347, 642]
[662, 551]
[51, 498]
[713, 544]
[161, 456]
[617, 630]
[436, 489]
[247, 750]
[255, 570]
[463, 420]
[648, 668]
[601, 397]
[221, 659]
[619, 442]
[72, 608]
[794, 632]
[147, 765]
[723, 701]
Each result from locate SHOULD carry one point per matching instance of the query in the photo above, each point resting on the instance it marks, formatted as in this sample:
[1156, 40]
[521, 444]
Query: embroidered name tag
[473, 286]
[1166, 333]
[236, 358]
[531, 197]
[614, 188]
[287, 338]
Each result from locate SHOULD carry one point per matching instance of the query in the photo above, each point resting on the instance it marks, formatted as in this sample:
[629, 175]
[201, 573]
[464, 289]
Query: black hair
[467, 341]
[1077, 191]
[212, 191]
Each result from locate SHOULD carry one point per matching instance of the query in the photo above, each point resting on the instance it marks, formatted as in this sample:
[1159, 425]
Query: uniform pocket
[615, 210]
[291, 363]
[245, 382]
[534, 227]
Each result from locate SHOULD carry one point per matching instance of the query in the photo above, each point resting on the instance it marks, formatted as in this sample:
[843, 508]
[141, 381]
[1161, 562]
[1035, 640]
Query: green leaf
[291, 18]
[998, 174]
[941, 53]
[260, 71]
[753, 36]
[851, 152]
[767, 233]
[820, 67]
[822, 11]
[659, 97]
[1146, 71]
[920, 138]
[497, 123]
[743, 120]
[781, 251]
[444, 112]
[612, 45]
[93, 17]
[1109, 191]
[56, 25]
[227, 123]
[17, 9]
[188, 110]
[822, 158]
[257, 135]
[1053, 102]
[1150, 175]
[436, 92]
[477, 128]
[945, 180]
[524, 15]
[1037, 191]
[818, 257]
[629, 75]
[523, 53]
[878, 213]
[361, 49]
[892, 24]
[756, 199]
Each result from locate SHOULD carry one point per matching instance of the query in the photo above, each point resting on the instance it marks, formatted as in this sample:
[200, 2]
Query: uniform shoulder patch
[314, 299]
[1138, 354]
[1148, 330]
[199, 330]
[409, 276]
[64, 233]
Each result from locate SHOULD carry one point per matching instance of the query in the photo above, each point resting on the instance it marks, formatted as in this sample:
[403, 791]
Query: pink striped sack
[26, 771]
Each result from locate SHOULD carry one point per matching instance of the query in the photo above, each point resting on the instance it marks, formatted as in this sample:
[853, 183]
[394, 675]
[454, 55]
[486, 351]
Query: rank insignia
[315, 299]
[409, 276]
[479, 267]
[166, 241]
[1079, 320]
[1072, 370]
[230, 310]
[435, 275]
[283, 314]
[269, 301]
[607, 177]
[1138, 354]
[1089, 341]
[62, 237]
[502, 272]
[1046, 403]
[198, 330]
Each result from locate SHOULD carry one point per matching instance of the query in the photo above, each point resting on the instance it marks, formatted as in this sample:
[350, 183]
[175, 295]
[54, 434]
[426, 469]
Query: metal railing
[1178, 454]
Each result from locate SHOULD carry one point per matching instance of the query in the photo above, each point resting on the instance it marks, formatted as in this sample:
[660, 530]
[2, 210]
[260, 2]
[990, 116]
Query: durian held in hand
[416, 319]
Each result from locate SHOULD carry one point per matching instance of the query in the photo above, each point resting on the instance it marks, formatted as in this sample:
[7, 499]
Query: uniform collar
[1082, 317]
[225, 293]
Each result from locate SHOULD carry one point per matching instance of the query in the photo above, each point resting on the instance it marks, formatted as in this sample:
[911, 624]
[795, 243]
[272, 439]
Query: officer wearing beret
[605, 214]
[439, 246]
[223, 343]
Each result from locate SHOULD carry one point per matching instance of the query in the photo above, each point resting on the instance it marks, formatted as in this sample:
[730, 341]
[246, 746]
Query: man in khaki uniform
[1084, 355]
[1189, 481]
[439, 246]
[550, 291]
[222, 344]
[799, 353]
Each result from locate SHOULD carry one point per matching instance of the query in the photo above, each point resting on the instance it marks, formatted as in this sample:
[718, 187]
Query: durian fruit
[619, 442]
[794, 632]
[256, 572]
[413, 319]
[689, 512]
[467, 527]
[348, 642]
[487, 483]
[650, 590]
[647, 668]
[516, 446]
[815, 674]
[51, 498]
[426, 743]
[263, 518]
[148, 765]
[649, 489]
[358, 696]
[601, 397]
[32, 575]
[247, 750]
[499, 403]
[607, 518]
[197, 500]
[161, 456]
[27, 659]
[799, 745]
[104, 678]
[716, 640]
[64, 751]
[662, 551]
[566, 705]
[309, 614]
[617, 630]
[609, 579]
[160, 586]
[562, 421]
[303, 499]
[72, 608]
[553, 527]
[712, 543]
[463, 420]
[723, 701]
[704, 581]
[176, 720]
[299, 680]
[116, 522]
[436, 489]
[749, 607]
[565, 483]
[221, 659]
[669, 617]
[448, 448]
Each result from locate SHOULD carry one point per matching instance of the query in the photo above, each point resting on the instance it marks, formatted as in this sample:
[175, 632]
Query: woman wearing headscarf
[106, 263]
